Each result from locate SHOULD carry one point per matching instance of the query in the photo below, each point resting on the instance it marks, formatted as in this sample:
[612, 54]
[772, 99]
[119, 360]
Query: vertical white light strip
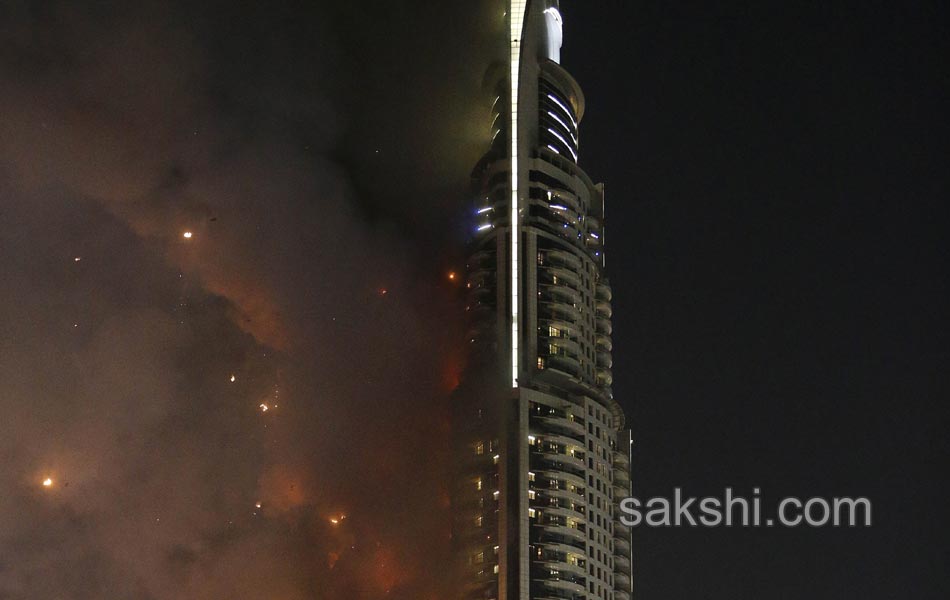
[517, 14]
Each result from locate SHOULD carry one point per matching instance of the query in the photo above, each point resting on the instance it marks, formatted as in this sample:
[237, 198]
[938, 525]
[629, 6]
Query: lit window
[478, 484]
[480, 448]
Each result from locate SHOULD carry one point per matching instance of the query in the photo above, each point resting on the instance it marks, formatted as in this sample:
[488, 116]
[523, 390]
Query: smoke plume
[227, 334]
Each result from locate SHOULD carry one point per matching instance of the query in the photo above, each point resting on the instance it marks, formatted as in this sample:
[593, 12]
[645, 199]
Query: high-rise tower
[543, 455]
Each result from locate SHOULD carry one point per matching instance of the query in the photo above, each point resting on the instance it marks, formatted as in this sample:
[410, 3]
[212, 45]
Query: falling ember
[233, 378]
[383, 291]
[258, 505]
[264, 408]
[47, 482]
[186, 235]
[452, 276]
[77, 259]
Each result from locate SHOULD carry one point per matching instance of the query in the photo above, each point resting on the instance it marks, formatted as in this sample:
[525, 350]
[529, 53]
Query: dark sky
[775, 178]
[776, 183]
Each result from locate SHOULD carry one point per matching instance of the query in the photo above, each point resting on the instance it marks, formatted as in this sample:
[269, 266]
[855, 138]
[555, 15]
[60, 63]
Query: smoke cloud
[226, 334]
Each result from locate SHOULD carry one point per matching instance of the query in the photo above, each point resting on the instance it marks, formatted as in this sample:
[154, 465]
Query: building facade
[542, 449]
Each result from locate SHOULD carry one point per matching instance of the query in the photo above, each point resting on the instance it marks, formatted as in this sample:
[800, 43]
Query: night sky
[776, 185]
[776, 242]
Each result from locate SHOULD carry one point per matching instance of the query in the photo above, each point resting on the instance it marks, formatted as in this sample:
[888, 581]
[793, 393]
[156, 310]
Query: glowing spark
[47, 482]
[335, 521]
[233, 378]
[452, 276]
[186, 235]
[77, 259]
[264, 408]
[258, 505]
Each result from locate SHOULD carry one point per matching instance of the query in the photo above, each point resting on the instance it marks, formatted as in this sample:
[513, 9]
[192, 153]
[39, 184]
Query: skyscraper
[543, 455]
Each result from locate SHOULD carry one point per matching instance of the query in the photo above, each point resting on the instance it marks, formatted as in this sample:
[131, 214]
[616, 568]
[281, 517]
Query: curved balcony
[556, 223]
[622, 477]
[621, 531]
[481, 280]
[567, 231]
[566, 495]
[558, 196]
[562, 511]
[622, 564]
[563, 425]
[567, 477]
[603, 326]
[566, 364]
[621, 595]
[482, 258]
[564, 531]
[604, 342]
[572, 493]
[480, 310]
[605, 377]
[558, 292]
[562, 585]
[620, 492]
[561, 566]
[560, 548]
[621, 460]
[603, 292]
[622, 546]
[565, 327]
[557, 309]
[480, 293]
[562, 441]
[605, 360]
[564, 259]
[554, 595]
[565, 344]
[604, 309]
[622, 581]
[564, 276]
[560, 462]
